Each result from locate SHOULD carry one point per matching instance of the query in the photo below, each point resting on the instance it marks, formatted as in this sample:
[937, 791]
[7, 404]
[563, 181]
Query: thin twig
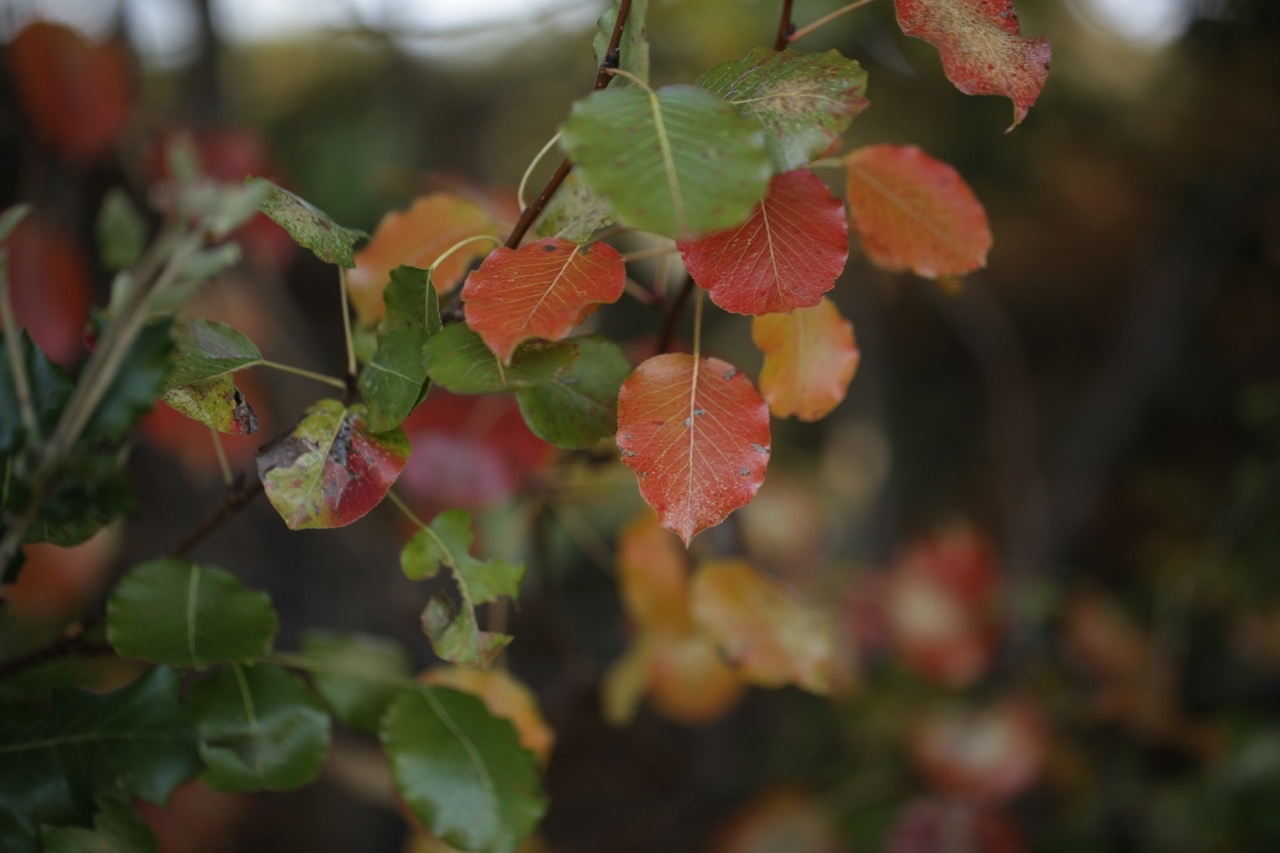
[824, 20]
[13, 348]
[785, 27]
[346, 324]
[672, 316]
[231, 504]
[331, 381]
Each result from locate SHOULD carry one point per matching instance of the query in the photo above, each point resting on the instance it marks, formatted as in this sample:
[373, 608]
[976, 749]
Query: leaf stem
[524, 179]
[785, 27]
[824, 20]
[13, 349]
[697, 325]
[655, 252]
[622, 72]
[458, 245]
[398, 503]
[346, 325]
[332, 381]
[672, 318]
[228, 479]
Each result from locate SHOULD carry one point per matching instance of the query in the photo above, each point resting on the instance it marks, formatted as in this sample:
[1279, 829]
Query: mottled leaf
[395, 380]
[357, 675]
[217, 403]
[697, 435]
[679, 162]
[309, 226]
[578, 406]
[207, 349]
[804, 101]
[633, 50]
[575, 212]
[121, 230]
[330, 470]
[809, 360]
[914, 212]
[458, 360]
[785, 256]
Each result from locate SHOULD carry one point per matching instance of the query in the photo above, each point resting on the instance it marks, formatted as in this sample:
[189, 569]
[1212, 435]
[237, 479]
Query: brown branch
[785, 27]
[231, 504]
[671, 316]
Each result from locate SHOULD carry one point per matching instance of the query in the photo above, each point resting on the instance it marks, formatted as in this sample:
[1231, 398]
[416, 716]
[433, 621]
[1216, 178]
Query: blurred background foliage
[1076, 450]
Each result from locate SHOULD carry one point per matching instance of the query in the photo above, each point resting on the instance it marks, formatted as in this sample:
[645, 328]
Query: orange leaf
[785, 256]
[688, 681]
[417, 237]
[541, 290]
[505, 696]
[769, 635]
[809, 359]
[779, 819]
[697, 435]
[915, 212]
[982, 48]
[652, 577]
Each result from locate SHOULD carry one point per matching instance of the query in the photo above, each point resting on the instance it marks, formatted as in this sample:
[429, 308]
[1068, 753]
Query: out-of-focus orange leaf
[809, 360]
[79, 95]
[779, 820]
[930, 826]
[653, 577]
[982, 47]
[541, 290]
[697, 435]
[689, 682]
[505, 696]
[417, 237]
[767, 634]
[57, 583]
[49, 288]
[914, 212]
[986, 756]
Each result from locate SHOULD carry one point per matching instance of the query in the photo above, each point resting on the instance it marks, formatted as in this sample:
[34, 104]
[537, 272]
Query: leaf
[51, 288]
[12, 218]
[461, 770]
[310, 227]
[356, 674]
[395, 381]
[417, 237]
[578, 406]
[982, 48]
[454, 632]
[261, 729]
[809, 360]
[217, 403]
[49, 386]
[688, 679]
[186, 615]
[207, 349]
[117, 828]
[133, 740]
[914, 212]
[697, 435]
[679, 162]
[653, 577]
[121, 231]
[786, 255]
[541, 290]
[766, 633]
[330, 470]
[459, 360]
[505, 696]
[633, 50]
[804, 101]
[135, 388]
[575, 212]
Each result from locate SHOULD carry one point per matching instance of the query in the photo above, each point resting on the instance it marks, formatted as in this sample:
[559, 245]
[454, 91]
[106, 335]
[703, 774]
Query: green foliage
[578, 406]
[122, 232]
[458, 360]
[395, 380]
[356, 674]
[310, 227]
[117, 828]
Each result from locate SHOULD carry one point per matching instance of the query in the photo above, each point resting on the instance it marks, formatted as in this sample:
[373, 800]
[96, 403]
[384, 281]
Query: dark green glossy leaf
[50, 387]
[183, 614]
[121, 230]
[134, 391]
[633, 51]
[261, 728]
[579, 406]
[207, 349]
[461, 770]
[680, 162]
[309, 227]
[458, 360]
[395, 380]
[358, 675]
[117, 828]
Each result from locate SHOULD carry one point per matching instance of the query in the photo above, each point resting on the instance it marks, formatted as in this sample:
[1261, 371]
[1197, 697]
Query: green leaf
[261, 729]
[135, 388]
[134, 740]
[12, 218]
[309, 227]
[117, 828]
[121, 230]
[356, 674]
[462, 771]
[217, 403]
[454, 632]
[206, 349]
[183, 614]
[458, 360]
[680, 162]
[579, 406]
[634, 49]
[50, 387]
[575, 212]
[804, 101]
[395, 381]
[197, 267]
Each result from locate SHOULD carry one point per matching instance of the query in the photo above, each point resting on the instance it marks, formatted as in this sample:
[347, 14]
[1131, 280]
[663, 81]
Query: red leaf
[927, 826]
[982, 48]
[985, 756]
[541, 290]
[697, 435]
[809, 360]
[785, 256]
[915, 212]
[50, 289]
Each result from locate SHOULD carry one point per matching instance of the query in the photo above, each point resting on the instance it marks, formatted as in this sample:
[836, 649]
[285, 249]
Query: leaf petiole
[13, 349]
[524, 180]
[309, 374]
[824, 20]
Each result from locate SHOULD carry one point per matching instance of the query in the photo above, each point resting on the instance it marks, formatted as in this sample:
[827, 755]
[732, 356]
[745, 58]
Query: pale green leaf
[121, 230]
[309, 226]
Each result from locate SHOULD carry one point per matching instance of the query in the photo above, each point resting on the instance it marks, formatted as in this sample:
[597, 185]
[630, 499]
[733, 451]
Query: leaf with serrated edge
[697, 435]
[395, 380]
[809, 360]
[785, 256]
[309, 226]
[914, 212]
[679, 162]
[357, 674]
[982, 47]
[458, 360]
[330, 470]
[461, 770]
[804, 101]
[217, 403]
[184, 614]
[578, 406]
[541, 290]
[207, 349]
[768, 634]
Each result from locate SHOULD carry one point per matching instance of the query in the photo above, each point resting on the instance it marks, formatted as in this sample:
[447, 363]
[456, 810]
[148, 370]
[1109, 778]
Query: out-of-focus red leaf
[982, 47]
[809, 360]
[914, 212]
[697, 435]
[780, 820]
[930, 826]
[785, 256]
[541, 290]
[50, 289]
[985, 756]
[57, 583]
[196, 819]
[417, 237]
[79, 95]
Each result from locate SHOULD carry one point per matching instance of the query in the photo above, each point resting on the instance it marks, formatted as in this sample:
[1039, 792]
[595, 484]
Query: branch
[785, 27]
[671, 317]
[232, 503]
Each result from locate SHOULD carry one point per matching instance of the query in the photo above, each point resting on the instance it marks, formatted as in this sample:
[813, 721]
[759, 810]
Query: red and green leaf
[982, 47]
[541, 290]
[914, 212]
[697, 435]
[786, 255]
[809, 360]
[330, 471]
